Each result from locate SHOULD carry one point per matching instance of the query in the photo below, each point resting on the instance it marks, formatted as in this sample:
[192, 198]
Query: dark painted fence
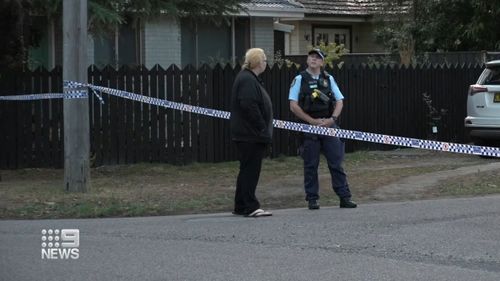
[387, 100]
[449, 58]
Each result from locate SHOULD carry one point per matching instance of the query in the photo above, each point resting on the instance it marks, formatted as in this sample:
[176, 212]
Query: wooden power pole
[76, 111]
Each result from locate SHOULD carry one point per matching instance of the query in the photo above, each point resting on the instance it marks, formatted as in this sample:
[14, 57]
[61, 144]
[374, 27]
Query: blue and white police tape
[46, 96]
[299, 127]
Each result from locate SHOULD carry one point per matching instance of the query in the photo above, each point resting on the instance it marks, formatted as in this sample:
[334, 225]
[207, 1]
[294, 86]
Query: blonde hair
[253, 58]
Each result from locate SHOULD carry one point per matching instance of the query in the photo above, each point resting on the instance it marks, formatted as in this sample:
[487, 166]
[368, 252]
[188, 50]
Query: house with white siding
[169, 40]
[348, 22]
[287, 26]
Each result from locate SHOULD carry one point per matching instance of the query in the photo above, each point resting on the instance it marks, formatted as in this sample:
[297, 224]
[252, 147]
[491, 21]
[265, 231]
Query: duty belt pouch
[315, 107]
[306, 103]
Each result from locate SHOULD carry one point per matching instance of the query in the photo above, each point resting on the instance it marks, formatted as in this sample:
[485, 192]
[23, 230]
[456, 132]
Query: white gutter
[273, 12]
[288, 28]
[331, 19]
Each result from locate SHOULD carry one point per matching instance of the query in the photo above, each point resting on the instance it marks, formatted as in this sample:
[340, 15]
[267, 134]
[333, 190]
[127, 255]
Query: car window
[492, 76]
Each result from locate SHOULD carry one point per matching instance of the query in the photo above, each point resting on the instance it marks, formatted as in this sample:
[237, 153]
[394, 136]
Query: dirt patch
[414, 186]
[402, 174]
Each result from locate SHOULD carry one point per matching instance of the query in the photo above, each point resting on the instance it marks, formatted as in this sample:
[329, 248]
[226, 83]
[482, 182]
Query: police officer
[316, 99]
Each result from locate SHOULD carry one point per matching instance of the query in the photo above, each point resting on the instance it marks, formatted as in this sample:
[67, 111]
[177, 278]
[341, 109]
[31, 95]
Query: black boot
[313, 204]
[347, 203]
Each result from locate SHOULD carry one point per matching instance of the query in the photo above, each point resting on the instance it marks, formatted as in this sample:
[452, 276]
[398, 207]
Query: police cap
[318, 52]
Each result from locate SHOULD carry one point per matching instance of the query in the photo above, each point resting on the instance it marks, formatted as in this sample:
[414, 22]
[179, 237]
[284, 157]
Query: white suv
[483, 107]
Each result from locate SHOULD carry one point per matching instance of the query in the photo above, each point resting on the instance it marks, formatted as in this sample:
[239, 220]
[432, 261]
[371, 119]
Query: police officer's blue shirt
[295, 88]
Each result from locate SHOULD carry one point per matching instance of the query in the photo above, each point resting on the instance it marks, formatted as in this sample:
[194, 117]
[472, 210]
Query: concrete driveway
[445, 239]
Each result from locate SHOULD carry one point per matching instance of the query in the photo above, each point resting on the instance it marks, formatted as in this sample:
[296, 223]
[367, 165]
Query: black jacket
[251, 110]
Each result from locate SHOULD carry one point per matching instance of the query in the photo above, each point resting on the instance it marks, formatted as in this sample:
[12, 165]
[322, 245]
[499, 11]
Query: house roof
[278, 4]
[273, 8]
[350, 7]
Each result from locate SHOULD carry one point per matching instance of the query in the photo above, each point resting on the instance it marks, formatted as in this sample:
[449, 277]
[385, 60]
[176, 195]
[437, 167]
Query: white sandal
[259, 213]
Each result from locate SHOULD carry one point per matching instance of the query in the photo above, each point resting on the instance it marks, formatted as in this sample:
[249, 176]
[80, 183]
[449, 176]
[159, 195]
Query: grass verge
[161, 189]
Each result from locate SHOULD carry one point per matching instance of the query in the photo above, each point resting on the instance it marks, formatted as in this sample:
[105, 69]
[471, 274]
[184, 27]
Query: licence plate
[496, 98]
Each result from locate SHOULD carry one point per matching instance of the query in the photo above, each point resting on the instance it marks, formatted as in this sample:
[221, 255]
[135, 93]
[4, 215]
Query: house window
[279, 42]
[209, 43]
[322, 37]
[332, 35]
[39, 55]
[242, 38]
[122, 47]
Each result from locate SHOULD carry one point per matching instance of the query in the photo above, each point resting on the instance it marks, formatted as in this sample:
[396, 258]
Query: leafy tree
[412, 27]
[104, 13]
[332, 51]
[17, 31]
[14, 33]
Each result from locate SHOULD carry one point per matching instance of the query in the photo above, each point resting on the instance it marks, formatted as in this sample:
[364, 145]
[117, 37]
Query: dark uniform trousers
[333, 149]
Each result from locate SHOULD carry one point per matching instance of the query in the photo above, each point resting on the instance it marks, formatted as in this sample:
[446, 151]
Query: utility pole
[76, 111]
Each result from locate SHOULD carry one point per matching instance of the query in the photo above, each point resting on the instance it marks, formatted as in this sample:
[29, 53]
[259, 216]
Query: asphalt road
[446, 239]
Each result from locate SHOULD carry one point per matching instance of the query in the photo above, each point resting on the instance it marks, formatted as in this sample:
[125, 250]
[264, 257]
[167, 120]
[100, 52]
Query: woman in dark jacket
[251, 130]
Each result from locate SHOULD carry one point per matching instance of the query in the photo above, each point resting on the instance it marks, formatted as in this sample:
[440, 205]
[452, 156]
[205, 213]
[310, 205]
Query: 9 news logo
[60, 244]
